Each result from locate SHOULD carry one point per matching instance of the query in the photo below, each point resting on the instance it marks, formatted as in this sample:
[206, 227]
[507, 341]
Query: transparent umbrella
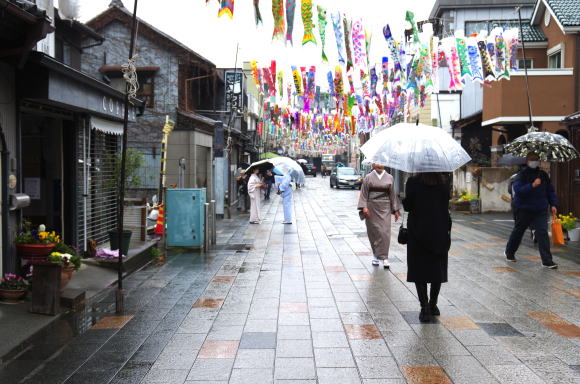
[415, 148]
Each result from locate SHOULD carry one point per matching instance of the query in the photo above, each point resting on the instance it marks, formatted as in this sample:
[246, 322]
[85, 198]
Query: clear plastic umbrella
[415, 148]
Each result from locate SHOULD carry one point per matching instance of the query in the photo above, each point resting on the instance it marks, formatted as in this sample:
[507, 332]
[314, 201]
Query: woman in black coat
[429, 226]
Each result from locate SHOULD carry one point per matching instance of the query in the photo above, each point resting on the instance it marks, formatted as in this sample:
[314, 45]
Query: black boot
[435, 288]
[425, 315]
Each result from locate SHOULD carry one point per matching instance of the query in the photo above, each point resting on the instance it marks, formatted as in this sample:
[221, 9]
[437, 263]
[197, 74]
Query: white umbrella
[283, 164]
[415, 148]
[302, 161]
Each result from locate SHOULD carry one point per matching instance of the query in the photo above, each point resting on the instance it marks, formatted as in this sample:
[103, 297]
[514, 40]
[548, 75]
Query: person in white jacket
[286, 193]
[255, 186]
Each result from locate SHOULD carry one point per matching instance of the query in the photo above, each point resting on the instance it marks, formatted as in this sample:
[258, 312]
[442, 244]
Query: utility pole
[120, 306]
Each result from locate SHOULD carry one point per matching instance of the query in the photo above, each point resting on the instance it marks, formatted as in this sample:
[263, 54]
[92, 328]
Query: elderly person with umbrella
[427, 152]
[534, 193]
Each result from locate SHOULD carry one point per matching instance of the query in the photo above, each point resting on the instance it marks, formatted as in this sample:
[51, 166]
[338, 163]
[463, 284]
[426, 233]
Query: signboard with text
[234, 95]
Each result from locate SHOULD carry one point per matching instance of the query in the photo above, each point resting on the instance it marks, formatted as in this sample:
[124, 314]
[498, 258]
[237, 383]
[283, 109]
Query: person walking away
[378, 200]
[285, 190]
[255, 193]
[268, 180]
[429, 231]
[323, 171]
[243, 192]
[534, 194]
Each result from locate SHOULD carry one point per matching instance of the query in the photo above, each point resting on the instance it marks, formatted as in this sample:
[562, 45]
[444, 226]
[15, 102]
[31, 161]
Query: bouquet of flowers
[27, 235]
[12, 282]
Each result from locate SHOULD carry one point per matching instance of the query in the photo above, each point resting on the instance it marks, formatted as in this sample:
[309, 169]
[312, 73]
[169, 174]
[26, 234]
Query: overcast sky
[196, 24]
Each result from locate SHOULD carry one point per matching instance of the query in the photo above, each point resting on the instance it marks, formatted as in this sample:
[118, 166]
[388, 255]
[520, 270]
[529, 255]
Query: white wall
[47, 45]
[449, 106]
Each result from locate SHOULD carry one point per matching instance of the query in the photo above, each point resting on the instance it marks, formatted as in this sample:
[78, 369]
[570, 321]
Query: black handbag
[403, 237]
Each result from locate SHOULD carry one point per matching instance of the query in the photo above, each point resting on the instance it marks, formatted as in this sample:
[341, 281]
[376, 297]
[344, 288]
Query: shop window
[146, 90]
[555, 60]
[529, 63]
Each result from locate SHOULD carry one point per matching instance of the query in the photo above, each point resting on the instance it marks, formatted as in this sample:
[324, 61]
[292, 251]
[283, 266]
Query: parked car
[345, 177]
[309, 169]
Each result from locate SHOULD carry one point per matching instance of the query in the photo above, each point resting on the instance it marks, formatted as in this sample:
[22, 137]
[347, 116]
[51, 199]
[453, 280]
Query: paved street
[303, 304]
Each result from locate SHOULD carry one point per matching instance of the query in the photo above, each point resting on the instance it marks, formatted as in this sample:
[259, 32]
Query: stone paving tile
[362, 331]
[294, 348]
[373, 367]
[424, 375]
[499, 329]
[294, 368]
[456, 323]
[329, 340]
[211, 369]
[334, 358]
[255, 358]
[338, 375]
[112, 322]
[294, 332]
[258, 340]
[218, 350]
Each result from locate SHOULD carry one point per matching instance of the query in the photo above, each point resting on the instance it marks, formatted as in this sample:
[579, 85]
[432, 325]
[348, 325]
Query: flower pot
[35, 250]
[574, 234]
[460, 206]
[114, 241]
[65, 276]
[12, 295]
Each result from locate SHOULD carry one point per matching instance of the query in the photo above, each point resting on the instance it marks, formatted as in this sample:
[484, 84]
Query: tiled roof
[567, 11]
[531, 33]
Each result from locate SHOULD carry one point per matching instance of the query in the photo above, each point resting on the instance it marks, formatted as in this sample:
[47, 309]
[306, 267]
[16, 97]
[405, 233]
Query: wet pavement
[302, 303]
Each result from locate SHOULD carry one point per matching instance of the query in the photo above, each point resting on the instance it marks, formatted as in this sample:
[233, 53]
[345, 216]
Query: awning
[106, 126]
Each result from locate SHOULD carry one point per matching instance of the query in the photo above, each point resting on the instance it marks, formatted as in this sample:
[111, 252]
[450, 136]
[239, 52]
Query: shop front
[70, 139]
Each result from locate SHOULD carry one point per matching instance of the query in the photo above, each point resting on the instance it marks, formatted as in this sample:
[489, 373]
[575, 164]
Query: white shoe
[375, 262]
[386, 264]
[286, 222]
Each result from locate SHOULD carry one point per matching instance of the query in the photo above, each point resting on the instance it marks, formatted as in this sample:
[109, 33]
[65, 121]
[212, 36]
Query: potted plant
[12, 288]
[569, 226]
[35, 242]
[69, 260]
[465, 202]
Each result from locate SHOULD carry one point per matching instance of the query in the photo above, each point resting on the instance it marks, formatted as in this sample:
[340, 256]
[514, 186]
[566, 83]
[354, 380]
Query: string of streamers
[290, 12]
[307, 21]
[257, 13]
[227, 8]
[129, 71]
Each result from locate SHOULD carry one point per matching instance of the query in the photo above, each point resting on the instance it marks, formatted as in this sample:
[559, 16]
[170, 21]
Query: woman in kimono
[378, 200]
[427, 201]
[254, 190]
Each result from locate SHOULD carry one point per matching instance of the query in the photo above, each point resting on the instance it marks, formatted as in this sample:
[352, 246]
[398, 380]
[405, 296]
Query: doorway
[47, 145]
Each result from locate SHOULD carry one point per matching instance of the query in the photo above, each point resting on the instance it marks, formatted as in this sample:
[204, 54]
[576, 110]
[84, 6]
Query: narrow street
[302, 303]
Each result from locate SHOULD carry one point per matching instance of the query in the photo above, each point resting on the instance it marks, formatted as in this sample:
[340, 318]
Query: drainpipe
[5, 206]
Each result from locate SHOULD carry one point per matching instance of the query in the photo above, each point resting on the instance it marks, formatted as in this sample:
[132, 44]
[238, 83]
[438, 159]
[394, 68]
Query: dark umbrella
[548, 146]
[509, 160]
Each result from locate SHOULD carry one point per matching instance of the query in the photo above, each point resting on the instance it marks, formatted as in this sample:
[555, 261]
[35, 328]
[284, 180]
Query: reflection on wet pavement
[284, 303]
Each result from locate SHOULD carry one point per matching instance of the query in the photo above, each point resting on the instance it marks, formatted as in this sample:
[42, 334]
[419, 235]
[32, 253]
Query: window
[474, 27]
[62, 51]
[146, 90]
[529, 63]
[555, 60]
